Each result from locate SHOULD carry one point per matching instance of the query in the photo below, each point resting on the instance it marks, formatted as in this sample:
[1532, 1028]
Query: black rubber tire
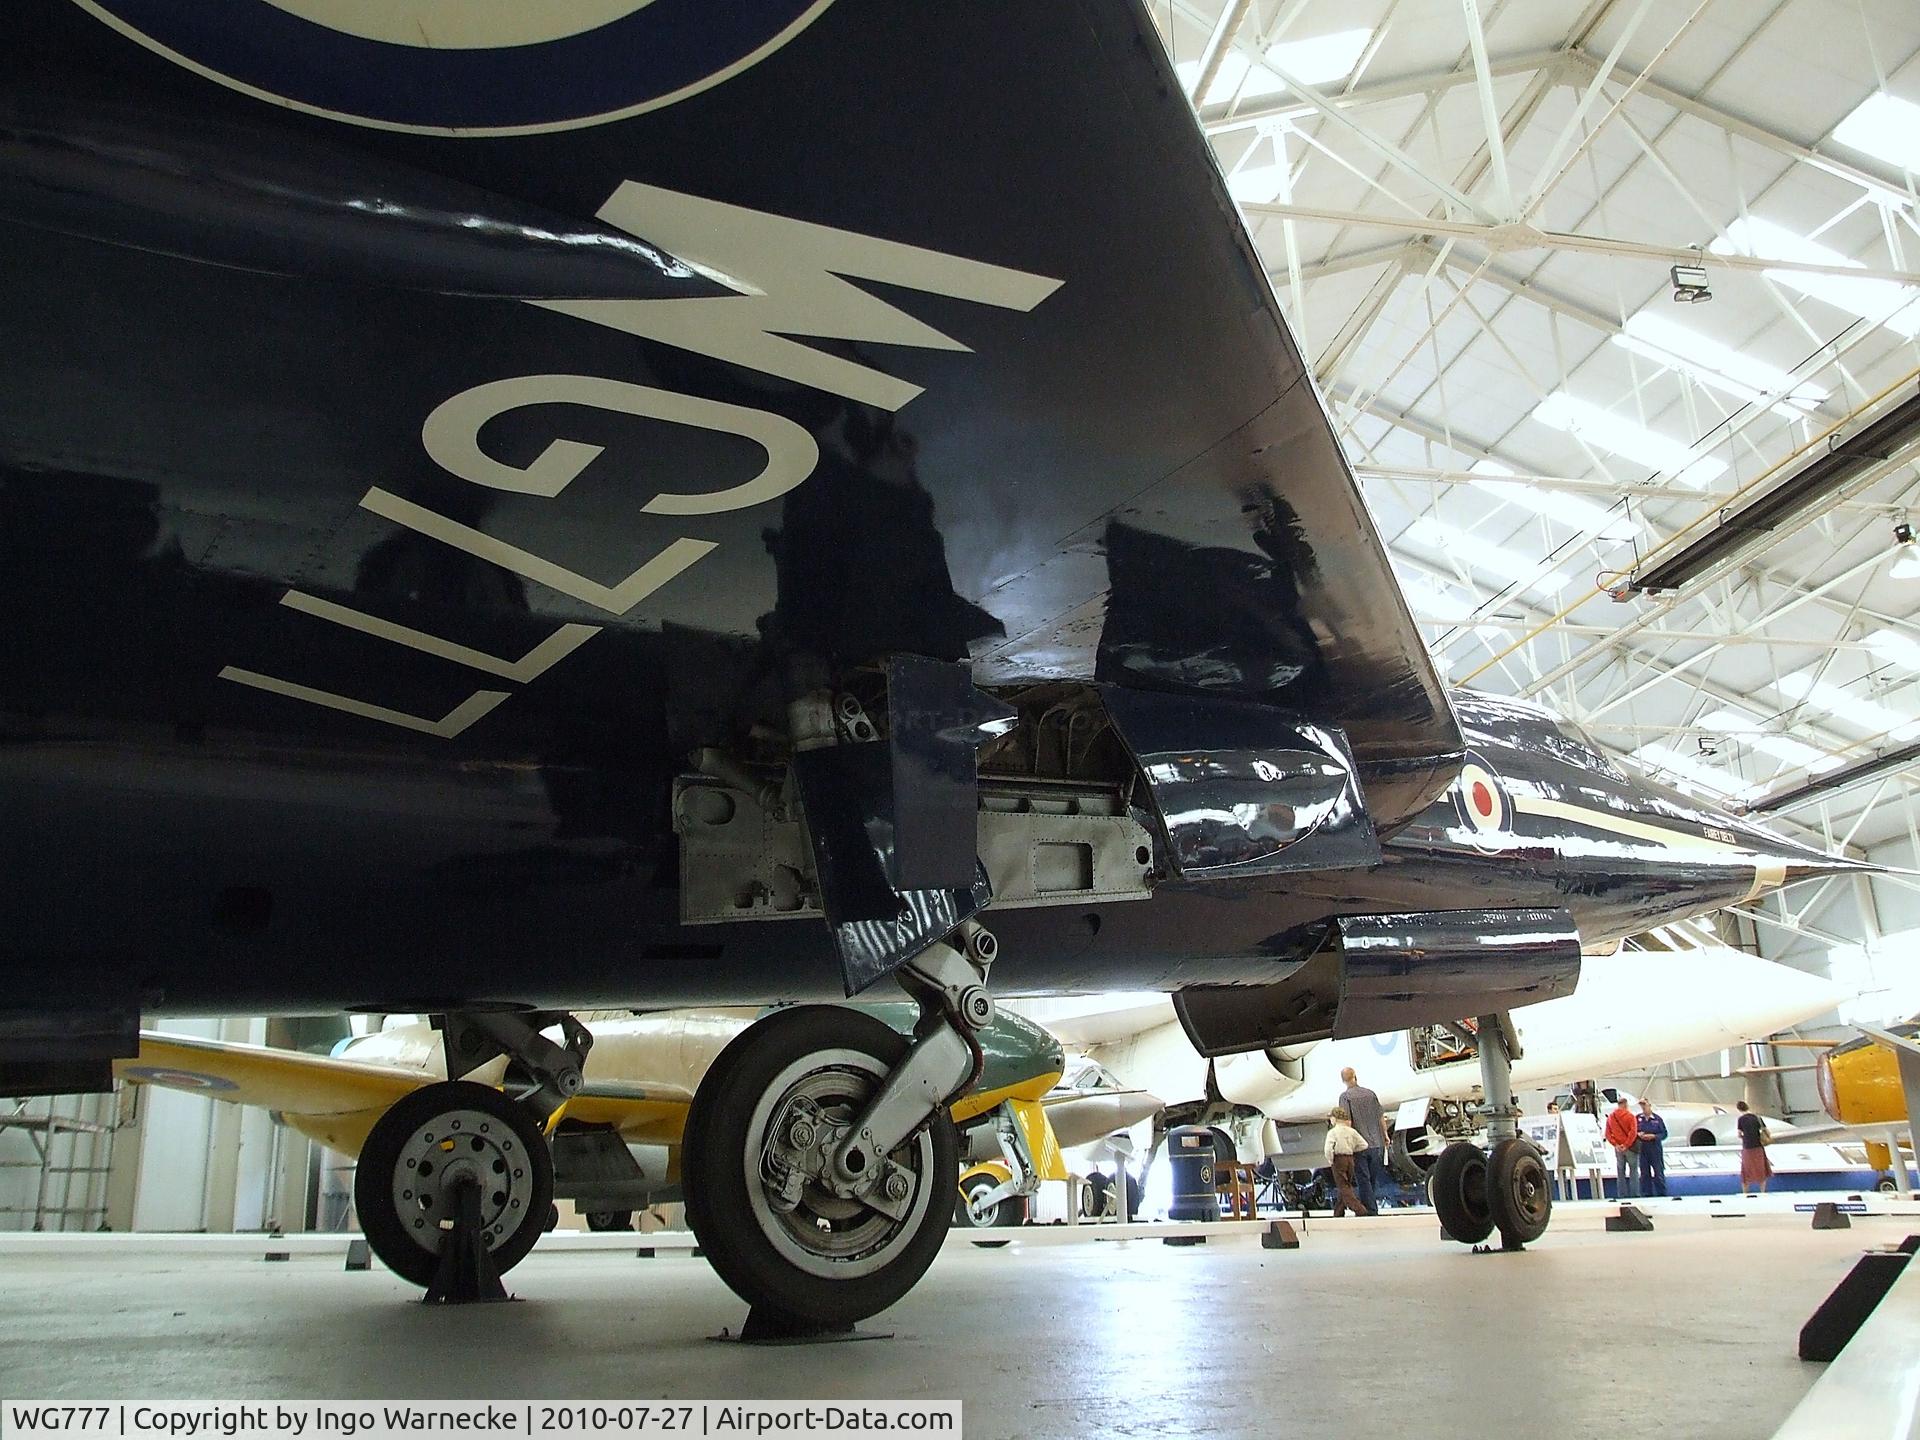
[387, 1232]
[1886, 1185]
[1519, 1191]
[604, 1220]
[720, 1209]
[1009, 1210]
[1458, 1189]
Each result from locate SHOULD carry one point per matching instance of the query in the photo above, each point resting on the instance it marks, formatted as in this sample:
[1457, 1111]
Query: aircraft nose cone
[1784, 861]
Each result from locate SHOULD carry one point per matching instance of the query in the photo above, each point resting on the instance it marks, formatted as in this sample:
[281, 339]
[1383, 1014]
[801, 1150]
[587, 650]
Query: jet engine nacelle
[1379, 973]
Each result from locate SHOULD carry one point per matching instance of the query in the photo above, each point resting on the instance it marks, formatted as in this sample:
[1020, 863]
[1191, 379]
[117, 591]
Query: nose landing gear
[819, 1160]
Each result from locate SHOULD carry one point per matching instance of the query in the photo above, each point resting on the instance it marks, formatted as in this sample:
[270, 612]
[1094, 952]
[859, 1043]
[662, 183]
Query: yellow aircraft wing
[289, 1081]
[336, 1101]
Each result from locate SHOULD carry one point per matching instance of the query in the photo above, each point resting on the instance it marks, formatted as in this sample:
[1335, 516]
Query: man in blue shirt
[1653, 1155]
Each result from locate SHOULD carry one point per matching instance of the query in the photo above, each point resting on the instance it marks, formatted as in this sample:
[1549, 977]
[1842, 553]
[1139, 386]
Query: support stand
[467, 1275]
[775, 1327]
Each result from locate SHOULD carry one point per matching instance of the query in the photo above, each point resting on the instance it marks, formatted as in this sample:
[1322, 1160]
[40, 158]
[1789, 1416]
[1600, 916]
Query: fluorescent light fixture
[1693, 773]
[1893, 648]
[1571, 511]
[1880, 301]
[1782, 747]
[1315, 62]
[1479, 554]
[1886, 127]
[1719, 366]
[1621, 436]
[1863, 714]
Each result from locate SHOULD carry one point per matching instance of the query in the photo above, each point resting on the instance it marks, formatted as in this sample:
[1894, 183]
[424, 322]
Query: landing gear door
[1244, 789]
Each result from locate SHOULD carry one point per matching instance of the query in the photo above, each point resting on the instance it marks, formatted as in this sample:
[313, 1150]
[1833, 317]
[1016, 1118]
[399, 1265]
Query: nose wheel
[768, 1195]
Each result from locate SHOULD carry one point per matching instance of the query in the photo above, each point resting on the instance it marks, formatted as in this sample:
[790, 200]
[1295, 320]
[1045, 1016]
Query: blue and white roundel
[465, 66]
[177, 1079]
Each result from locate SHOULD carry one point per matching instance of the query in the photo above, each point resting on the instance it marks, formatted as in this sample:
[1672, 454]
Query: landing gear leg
[1509, 1188]
[819, 1160]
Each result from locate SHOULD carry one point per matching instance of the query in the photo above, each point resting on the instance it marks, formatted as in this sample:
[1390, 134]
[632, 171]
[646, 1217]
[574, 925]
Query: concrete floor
[1360, 1328]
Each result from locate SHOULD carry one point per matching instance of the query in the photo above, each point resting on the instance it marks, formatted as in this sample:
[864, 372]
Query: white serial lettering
[536, 662]
[451, 435]
[445, 728]
[616, 599]
[789, 277]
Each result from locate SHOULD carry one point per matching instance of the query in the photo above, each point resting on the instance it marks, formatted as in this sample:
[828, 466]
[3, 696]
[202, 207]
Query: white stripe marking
[451, 724]
[536, 662]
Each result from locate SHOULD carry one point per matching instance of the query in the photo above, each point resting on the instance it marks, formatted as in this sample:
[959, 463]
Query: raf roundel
[1482, 802]
[177, 1079]
[464, 67]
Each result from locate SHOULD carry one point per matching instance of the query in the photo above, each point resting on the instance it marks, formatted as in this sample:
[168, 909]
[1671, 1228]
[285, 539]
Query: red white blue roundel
[177, 1079]
[465, 66]
[1482, 801]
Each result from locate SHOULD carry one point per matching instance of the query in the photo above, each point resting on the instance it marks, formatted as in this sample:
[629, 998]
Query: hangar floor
[1131, 1338]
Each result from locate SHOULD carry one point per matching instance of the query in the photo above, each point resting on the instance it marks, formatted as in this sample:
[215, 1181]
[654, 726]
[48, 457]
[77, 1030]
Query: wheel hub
[456, 1148]
[823, 1224]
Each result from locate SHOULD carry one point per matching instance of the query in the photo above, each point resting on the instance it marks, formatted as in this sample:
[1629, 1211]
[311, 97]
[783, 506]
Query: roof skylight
[1316, 62]
[1893, 648]
[1885, 127]
[1880, 301]
[1480, 554]
[1717, 365]
[1856, 710]
[1693, 773]
[1569, 510]
[1782, 747]
[1621, 436]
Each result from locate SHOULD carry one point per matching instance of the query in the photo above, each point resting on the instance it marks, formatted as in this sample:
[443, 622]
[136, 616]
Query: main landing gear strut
[819, 1159]
[455, 1181]
[1505, 1187]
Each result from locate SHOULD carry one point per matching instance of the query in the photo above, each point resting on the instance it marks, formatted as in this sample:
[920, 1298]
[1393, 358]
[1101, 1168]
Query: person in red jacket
[1623, 1134]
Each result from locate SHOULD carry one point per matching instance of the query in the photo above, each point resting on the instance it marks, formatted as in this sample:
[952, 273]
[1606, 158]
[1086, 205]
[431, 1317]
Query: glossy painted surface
[359, 619]
[1238, 793]
[1859, 1082]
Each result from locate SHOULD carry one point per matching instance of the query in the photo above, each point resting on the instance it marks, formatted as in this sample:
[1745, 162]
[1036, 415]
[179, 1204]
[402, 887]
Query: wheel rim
[976, 1216]
[824, 1234]
[1473, 1190]
[458, 1145]
[1528, 1192]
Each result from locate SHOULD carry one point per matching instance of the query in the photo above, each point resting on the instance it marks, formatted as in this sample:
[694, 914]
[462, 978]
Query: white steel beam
[1501, 238]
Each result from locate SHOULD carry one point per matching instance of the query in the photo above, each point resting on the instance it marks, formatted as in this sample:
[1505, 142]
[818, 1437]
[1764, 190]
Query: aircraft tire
[827, 1261]
[1519, 1191]
[1458, 1189]
[499, 1140]
[1006, 1211]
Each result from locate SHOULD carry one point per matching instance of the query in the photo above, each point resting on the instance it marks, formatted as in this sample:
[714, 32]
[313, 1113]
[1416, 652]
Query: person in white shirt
[1343, 1143]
